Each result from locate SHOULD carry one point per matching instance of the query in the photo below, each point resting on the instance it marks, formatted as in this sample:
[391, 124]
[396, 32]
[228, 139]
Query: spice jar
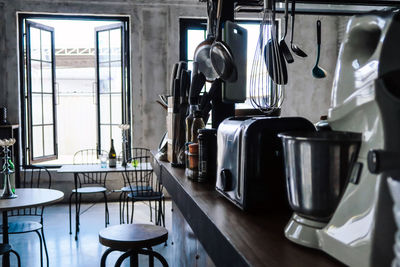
[193, 161]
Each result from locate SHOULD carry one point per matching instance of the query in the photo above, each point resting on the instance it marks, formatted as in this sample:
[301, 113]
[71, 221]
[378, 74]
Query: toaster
[250, 170]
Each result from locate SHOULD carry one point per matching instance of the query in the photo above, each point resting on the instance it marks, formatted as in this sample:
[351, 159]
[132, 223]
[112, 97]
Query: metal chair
[141, 185]
[90, 183]
[33, 177]
[5, 248]
[132, 153]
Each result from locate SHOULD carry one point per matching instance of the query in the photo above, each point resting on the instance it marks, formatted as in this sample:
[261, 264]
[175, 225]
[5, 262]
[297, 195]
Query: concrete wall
[154, 49]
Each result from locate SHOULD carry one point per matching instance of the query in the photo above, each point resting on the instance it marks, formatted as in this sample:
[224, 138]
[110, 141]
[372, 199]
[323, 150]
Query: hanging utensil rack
[320, 7]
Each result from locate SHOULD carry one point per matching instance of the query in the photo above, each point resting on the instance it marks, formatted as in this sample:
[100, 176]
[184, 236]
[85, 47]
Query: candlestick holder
[8, 169]
[124, 128]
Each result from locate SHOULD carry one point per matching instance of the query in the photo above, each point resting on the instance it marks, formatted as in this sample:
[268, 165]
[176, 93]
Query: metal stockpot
[317, 166]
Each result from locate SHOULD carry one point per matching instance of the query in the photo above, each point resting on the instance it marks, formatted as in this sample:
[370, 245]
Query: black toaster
[250, 170]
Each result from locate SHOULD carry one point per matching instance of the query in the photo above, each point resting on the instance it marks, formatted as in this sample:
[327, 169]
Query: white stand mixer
[365, 99]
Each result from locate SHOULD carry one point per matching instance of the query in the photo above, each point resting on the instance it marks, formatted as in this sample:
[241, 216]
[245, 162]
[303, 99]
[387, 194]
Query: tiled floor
[86, 252]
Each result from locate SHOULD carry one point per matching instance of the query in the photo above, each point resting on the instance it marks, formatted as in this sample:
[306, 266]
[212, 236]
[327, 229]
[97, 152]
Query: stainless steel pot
[317, 166]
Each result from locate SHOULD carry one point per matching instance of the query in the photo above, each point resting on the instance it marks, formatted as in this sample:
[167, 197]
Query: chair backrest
[135, 152]
[33, 177]
[141, 179]
[88, 156]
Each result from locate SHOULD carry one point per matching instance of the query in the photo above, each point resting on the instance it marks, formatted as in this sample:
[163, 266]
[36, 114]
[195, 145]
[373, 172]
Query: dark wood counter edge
[213, 241]
[220, 248]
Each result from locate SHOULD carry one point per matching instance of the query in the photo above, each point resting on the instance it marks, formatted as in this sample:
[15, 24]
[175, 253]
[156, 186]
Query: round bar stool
[134, 239]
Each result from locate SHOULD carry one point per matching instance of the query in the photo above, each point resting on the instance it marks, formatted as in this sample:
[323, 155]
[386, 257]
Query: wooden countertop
[230, 236]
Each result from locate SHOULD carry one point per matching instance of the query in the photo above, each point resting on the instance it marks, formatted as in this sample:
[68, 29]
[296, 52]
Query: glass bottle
[189, 121]
[112, 156]
[197, 124]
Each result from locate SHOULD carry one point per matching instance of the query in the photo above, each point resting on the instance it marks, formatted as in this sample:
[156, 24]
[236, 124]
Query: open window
[40, 92]
[75, 85]
[110, 81]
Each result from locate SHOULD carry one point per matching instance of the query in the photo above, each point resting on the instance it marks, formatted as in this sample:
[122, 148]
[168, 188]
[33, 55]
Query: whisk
[266, 83]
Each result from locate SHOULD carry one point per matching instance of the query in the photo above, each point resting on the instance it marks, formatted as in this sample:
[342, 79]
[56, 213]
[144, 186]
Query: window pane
[104, 72]
[37, 141]
[116, 110]
[195, 37]
[104, 51]
[48, 109]
[115, 44]
[117, 136]
[47, 77]
[116, 79]
[35, 43]
[48, 140]
[36, 109]
[104, 108]
[36, 77]
[46, 45]
[105, 137]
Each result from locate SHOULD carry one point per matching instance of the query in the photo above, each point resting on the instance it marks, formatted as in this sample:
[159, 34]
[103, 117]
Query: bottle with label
[112, 156]
[197, 124]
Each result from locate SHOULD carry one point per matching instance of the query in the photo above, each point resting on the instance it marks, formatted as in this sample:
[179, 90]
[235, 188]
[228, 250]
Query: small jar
[193, 161]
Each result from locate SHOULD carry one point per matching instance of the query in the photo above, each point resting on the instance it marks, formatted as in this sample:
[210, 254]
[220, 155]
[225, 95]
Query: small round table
[27, 198]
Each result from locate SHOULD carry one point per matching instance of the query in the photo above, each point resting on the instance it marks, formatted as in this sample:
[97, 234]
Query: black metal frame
[339, 7]
[124, 98]
[141, 185]
[22, 19]
[83, 185]
[28, 91]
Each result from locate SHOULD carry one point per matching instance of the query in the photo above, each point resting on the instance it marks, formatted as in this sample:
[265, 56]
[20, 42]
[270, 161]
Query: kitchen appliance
[365, 99]
[250, 170]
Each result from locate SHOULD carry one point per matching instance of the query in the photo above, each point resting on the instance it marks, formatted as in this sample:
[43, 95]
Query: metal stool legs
[134, 254]
[16, 255]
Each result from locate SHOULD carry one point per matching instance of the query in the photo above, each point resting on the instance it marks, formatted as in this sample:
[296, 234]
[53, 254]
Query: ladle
[317, 71]
[282, 44]
[294, 47]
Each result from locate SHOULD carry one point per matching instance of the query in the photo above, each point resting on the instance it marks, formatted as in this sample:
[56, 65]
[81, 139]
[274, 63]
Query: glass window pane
[105, 137]
[117, 136]
[35, 43]
[36, 109]
[104, 108]
[195, 37]
[48, 109]
[36, 77]
[115, 44]
[46, 45]
[37, 141]
[116, 77]
[104, 77]
[103, 46]
[48, 140]
[47, 75]
[116, 110]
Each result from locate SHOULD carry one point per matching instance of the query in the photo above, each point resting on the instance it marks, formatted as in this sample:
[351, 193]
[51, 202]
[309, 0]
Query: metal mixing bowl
[317, 166]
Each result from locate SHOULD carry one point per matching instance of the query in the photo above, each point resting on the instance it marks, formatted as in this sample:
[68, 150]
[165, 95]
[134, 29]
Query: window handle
[57, 88]
[94, 92]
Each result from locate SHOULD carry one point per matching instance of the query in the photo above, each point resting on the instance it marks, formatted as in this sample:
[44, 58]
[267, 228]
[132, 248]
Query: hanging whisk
[267, 77]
